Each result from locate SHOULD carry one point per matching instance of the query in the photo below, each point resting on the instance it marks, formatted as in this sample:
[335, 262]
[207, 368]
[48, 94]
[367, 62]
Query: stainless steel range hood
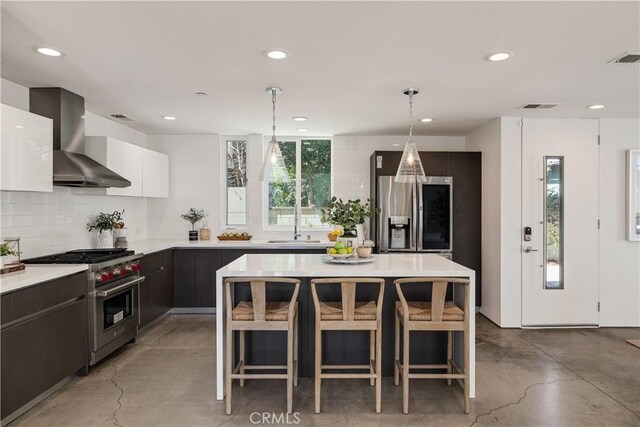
[71, 167]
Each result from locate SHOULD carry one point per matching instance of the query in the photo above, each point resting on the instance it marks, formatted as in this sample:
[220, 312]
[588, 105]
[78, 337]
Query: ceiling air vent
[627, 58]
[538, 106]
[122, 117]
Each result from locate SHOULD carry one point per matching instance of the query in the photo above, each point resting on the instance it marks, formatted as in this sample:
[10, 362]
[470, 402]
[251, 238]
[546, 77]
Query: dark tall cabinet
[465, 168]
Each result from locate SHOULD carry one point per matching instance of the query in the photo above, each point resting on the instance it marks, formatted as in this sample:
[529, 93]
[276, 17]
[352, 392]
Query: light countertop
[35, 274]
[311, 265]
[150, 246]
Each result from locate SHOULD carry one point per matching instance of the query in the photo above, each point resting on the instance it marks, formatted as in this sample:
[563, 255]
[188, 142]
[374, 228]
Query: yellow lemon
[349, 250]
[333, 251]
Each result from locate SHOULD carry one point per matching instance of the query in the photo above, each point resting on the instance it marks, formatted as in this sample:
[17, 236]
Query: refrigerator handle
[417, 219]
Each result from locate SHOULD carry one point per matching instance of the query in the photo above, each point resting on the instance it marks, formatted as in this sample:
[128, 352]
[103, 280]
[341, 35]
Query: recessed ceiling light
[168, 117]
[18, 126]
[201, 93]
[500, 56]
[596, 107]
[396, 145]
[299, 118]
[426, 120]
[276, 54]
[303, 130]
[49, 51]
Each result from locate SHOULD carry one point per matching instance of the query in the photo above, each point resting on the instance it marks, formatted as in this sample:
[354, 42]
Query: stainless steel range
[112, 294]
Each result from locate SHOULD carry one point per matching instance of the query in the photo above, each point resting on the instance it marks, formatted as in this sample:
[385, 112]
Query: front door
[559, 222]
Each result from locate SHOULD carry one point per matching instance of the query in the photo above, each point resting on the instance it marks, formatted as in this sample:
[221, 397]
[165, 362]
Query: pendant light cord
[411, 115]
[273, 102]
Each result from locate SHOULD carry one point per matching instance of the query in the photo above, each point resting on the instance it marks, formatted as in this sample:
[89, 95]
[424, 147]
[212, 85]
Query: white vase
[360, 234]
[104, 239]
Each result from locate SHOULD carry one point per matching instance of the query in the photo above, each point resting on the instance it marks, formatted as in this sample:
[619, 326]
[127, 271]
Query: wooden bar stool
[260, 315]
[435, 315]
[349, 315]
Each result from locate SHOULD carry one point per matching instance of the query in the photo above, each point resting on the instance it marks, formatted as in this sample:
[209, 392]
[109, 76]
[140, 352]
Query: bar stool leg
[379, 367]
[449, 354]
[228, 364]
[295, 350]
[405, 370]
[242, 353]
[372, 354]
[467, 403]
[396, 357]
[318, 368]
[290, 334]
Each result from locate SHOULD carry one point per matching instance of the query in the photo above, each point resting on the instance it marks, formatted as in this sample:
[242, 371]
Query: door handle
[528, 249]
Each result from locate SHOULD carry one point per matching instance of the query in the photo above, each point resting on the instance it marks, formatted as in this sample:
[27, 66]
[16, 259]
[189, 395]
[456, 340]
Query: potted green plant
[103, 224]
[7, 249]
[193, 216]
[351, 215]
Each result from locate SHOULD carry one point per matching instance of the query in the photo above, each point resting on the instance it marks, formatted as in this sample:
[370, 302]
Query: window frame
[265, 184]
[224, 214]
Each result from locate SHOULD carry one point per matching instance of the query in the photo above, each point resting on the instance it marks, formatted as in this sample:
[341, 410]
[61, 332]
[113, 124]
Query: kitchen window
[236, 181]
[308, 162]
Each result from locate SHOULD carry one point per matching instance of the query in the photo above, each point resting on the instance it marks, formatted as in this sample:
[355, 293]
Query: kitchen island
[343, 346]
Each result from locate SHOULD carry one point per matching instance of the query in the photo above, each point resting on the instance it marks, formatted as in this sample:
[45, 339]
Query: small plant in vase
[193, 217]
[350, 215]
[104, 224]
[7, 249]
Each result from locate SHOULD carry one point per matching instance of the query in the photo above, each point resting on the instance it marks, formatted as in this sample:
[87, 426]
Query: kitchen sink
[293, 241]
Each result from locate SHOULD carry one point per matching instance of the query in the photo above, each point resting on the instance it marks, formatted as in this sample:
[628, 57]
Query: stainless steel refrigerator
[415, 217]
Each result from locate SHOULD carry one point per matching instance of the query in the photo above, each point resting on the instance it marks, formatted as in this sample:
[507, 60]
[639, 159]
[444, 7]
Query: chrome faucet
[296, 222]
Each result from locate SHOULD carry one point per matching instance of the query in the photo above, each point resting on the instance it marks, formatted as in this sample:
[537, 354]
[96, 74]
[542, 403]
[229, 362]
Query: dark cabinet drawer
[156, 292]
[37, 298]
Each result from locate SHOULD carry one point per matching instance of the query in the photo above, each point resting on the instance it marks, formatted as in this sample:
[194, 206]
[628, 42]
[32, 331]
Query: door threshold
[576, 326]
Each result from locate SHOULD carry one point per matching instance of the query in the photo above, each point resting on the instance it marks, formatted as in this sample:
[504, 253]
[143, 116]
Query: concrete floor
[577, 377]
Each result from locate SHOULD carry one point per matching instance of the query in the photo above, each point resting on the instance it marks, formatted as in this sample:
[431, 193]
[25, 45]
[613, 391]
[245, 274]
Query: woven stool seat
[274, 311]
[422, 311]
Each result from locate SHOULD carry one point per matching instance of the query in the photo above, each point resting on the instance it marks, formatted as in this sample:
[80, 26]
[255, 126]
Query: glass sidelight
[553, 222]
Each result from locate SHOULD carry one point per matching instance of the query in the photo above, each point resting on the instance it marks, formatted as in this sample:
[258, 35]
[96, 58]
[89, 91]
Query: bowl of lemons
[340, 250]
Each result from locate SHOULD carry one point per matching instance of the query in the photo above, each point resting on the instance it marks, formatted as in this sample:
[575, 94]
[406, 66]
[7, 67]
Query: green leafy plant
[347, 214]
[7, 249]
[106, 221]
[193, 216]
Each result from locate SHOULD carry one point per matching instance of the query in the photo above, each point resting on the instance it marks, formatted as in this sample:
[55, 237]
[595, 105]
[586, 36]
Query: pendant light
[273, 161]
[410, 169]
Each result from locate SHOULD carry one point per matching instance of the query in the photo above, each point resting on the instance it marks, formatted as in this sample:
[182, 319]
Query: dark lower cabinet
[7, 404]
[194, 272]
[42, 345]
[156, 292]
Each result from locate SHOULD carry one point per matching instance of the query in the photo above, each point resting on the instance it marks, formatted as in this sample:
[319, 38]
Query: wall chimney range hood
[71, 167]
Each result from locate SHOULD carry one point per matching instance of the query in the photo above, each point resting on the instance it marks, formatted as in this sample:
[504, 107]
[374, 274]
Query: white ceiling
[348, 65]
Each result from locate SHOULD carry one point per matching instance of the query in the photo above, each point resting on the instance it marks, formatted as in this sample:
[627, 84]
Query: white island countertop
[388, 266]
[311, 265]
[35, 274]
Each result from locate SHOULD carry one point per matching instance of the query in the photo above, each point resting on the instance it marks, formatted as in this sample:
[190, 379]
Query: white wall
[194, 181]
[619, 267]
[54, 222]
[197, 178]
[487, 139]
[619, 258]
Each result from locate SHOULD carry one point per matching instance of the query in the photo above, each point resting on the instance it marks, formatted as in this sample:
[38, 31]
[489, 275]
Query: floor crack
[526, 390]
[165, 334]
[119, 401]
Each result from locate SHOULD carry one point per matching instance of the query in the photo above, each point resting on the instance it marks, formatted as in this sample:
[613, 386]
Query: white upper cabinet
[123, 158]
[26, 151]
[155, 174]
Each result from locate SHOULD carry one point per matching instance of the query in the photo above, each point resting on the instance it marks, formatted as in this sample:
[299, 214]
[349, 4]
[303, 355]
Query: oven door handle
[103, 294]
